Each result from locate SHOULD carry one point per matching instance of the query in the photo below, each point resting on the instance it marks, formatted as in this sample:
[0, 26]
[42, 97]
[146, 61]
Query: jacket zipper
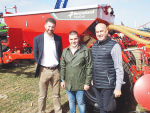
[107, 76]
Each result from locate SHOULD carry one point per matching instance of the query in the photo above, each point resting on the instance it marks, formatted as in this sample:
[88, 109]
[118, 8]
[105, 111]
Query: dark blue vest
[104, 74]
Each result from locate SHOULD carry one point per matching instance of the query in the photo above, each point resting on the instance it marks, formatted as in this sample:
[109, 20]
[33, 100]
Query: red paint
[142, 91]
[35, 26]
[24, 27]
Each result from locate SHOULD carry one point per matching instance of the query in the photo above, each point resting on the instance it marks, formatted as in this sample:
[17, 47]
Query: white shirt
[73, 50]
[49, 55]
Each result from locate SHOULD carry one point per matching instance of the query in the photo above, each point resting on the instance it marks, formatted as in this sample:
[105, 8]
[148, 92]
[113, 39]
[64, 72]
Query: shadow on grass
[65, 108]
[19, 70]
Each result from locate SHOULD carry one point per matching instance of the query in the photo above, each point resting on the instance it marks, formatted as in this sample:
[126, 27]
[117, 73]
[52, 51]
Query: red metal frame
[24, 27]
[6, 12]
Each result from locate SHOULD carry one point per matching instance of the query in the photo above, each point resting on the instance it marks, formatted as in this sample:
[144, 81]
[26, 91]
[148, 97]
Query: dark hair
[50, 20]
[73, 33]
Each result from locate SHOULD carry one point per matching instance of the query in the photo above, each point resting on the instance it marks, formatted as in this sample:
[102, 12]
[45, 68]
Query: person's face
[73, 40]
[101, 32]
[49, 28]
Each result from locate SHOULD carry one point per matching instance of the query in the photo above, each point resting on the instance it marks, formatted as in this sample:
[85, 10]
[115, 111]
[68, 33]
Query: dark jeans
[103, 96]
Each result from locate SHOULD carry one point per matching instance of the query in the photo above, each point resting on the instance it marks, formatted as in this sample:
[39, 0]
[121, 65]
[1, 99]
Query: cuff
[118, 86]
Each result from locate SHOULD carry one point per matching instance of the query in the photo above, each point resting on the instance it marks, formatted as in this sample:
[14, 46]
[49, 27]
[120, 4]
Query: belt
[51, 68]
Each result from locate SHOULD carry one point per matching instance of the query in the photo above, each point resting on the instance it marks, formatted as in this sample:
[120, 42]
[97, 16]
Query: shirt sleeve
[117, 58]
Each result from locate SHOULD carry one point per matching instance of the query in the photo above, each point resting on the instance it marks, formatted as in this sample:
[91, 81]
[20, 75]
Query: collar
[73, 48]
[103, 41]
[78, 47]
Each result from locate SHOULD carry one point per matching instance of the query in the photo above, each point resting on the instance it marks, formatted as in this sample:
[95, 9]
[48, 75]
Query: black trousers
[103, 96]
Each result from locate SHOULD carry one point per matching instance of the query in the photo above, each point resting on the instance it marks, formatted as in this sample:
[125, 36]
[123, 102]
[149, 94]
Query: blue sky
[126, 11]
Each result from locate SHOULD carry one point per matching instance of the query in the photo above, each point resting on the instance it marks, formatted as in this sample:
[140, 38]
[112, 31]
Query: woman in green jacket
[76, 67]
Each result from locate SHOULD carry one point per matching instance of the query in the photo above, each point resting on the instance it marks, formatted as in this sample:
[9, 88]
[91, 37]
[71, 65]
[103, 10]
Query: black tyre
[125, 103]
[132, 59]
[4, 48]
[91, 101]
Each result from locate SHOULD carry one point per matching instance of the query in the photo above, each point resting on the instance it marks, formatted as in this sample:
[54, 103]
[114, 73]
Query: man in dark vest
[107, 68]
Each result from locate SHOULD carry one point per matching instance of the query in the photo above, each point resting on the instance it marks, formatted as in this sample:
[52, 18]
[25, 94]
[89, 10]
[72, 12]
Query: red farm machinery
[23, 27]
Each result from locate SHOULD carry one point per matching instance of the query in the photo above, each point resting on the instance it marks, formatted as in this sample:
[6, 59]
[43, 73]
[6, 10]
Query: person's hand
[117, 93]
[63, 84]
[86, 87]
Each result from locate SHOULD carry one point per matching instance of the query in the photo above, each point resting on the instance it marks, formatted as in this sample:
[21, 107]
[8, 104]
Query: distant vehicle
[145, 29]
[3, 30]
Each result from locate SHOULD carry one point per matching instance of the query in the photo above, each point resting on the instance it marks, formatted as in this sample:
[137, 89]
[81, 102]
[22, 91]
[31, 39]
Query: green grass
[19, 91]
[141, 109]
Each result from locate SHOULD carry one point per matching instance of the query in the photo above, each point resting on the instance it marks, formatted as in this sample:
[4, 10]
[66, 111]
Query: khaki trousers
[46, 76]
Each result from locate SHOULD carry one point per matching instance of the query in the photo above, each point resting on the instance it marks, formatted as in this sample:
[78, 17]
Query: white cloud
[127, 11]
[129, 14]
[76, 3]
[25, 5]
[129, 1]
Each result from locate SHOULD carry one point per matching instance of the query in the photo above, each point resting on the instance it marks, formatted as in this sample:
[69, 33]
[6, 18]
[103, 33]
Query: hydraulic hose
[128, 34]
[146, 34]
